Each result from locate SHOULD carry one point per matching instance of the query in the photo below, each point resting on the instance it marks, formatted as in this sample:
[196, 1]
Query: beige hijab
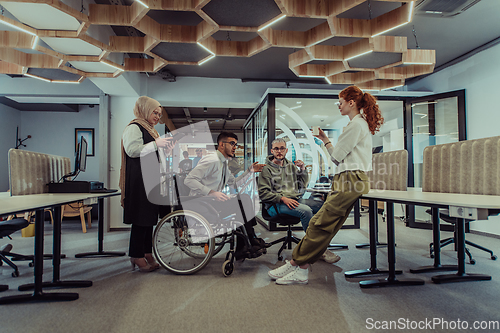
[143, 108]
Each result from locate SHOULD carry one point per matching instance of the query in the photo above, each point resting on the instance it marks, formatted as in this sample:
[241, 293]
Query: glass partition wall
[291, 117]
[409, 123]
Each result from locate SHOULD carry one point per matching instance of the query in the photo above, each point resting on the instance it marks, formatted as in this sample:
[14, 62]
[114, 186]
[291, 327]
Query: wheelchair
[184, 241]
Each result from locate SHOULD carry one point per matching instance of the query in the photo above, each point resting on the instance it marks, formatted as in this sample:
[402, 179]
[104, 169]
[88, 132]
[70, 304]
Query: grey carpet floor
[122, 300]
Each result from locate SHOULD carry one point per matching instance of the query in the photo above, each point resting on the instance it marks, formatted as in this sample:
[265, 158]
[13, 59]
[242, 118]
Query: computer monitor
[80, 159]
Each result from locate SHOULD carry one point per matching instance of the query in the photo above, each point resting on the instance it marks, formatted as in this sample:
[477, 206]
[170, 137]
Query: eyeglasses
[232, 143]
[279, 148]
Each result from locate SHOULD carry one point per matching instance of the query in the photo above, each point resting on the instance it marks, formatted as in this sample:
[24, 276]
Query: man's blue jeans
[305, 210]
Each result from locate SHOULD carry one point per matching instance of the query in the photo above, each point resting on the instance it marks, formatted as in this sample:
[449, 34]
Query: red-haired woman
[353, 156]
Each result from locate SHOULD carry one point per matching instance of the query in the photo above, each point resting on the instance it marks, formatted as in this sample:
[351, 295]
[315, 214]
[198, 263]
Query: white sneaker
[330, 257]
[298, 275]
[281, 271]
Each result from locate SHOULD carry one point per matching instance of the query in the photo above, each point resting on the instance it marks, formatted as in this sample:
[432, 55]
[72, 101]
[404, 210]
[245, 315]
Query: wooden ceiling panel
[330, 37]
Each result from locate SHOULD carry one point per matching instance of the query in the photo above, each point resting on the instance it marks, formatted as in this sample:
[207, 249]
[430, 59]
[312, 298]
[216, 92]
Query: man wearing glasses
[281, 185]
[210, 177]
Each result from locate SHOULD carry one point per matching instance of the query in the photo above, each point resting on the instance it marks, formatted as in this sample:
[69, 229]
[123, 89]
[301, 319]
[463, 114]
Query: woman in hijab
[139, 139]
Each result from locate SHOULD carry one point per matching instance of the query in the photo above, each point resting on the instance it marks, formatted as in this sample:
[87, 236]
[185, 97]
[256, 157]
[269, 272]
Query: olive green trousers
[347, 187]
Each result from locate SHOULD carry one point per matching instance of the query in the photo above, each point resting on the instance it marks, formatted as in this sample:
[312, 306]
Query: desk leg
[460, 276]
[100, 235]
[373, 222]
[363, 245]
[436, 239]
[38, 295]
[56, 261]
[391, 253]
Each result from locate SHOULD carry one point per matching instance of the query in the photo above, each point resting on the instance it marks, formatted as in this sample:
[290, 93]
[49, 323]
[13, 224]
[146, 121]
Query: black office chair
[284, 220]
[452, 240]
[6, 229]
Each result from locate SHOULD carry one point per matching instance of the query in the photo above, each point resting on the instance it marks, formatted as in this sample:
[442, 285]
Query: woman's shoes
[142, 264]
[151, 260]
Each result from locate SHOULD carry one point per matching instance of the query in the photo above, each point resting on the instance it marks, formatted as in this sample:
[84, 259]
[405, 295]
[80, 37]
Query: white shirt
[133, 142]
[208, 175]
[353, 150]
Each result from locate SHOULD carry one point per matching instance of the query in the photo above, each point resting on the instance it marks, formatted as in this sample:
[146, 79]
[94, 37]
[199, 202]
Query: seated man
[210, 177]
[280, 183]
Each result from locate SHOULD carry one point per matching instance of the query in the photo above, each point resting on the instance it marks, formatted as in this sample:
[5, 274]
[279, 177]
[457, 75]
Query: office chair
[6, 229]
[284, 220]
[452, 240]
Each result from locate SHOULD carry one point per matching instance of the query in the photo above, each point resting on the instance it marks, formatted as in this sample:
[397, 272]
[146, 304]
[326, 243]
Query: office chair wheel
[15, 273]
[227, 268]
[280, 258]
[472, 261]
[493, 257]
[183, 242]
[31, 264]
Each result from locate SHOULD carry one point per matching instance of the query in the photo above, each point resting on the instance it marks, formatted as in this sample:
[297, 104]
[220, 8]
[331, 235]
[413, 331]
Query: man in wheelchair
[208, 180]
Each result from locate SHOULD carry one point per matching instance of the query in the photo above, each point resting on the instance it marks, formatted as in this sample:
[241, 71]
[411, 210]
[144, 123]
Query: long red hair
[367, 102]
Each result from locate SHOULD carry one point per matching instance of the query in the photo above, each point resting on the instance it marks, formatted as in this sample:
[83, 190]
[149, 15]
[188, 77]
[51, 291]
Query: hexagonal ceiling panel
[338, 41]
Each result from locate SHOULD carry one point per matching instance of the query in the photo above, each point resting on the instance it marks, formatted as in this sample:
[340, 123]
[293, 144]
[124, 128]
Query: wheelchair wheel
[183, 242]
[227, 268]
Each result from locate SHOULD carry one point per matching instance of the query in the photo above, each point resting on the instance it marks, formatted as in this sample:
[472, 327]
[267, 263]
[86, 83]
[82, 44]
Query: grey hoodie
[277, 181]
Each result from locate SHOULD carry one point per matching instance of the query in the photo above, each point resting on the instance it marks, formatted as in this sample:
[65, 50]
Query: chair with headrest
[284, 220]
[6, 229]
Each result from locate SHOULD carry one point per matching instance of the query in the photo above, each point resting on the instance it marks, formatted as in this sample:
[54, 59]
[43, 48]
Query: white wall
[10, 121]
[479, 76]
[54, 133]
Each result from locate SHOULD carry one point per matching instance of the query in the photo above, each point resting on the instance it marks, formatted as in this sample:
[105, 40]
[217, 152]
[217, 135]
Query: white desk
[38, 202]
[478, 204]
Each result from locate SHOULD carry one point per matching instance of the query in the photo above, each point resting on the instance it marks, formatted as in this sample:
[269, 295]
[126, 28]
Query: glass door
[435, 119]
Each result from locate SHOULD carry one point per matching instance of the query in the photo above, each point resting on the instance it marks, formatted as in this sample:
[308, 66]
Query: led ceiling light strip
[207, 59]
[282, 16]
[359, 55]
[206, 48]
[400, 25]
[399, 85]
[142, 3]
[383, 32]
[61, 81]
[111, 65]
[34, 43]
[16, 27]
[314, 76]
[417, 63]
[37, 77]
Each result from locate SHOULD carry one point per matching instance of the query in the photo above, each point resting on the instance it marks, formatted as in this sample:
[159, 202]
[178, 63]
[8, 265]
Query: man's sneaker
[330, 257]
[298, 275]
[281, 271]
